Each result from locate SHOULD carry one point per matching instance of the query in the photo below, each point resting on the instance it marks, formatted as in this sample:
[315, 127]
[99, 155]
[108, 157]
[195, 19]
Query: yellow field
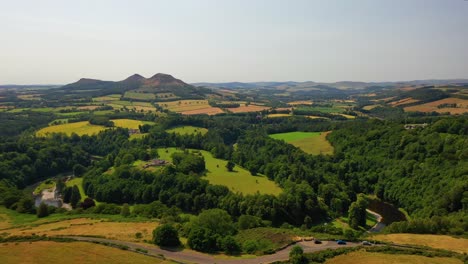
[129, 123]
[48, 252]
[188, 130]
[300, 103]
[370, 107]
[80, 128]
[363, 257]
[347, 116]
[185, 105]
[124, 231]
[435, 241]
[4, 221]
[278, 115]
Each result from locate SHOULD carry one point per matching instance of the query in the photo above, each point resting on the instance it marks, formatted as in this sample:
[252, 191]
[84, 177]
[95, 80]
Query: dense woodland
[424, 171]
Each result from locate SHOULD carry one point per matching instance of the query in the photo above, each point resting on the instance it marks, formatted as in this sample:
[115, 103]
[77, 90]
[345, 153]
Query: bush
[166, 236]
[42, 211]
[250, 246]
[229, 245]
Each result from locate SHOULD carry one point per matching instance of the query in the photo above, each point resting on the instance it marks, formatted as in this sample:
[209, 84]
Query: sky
[59, 41]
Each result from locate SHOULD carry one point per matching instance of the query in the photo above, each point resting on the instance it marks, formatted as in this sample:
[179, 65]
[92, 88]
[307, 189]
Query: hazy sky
[240, 40]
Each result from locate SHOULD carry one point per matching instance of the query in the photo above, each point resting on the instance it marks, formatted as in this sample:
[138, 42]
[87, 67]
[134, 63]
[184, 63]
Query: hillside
[147, 88]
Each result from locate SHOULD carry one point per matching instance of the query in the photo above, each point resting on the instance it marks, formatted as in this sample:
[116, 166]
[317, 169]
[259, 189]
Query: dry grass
[248, 108]
[47, 252]
[208, 111]
[88, 107]
[363, 257]
[4, 221]
[462, 106]
[370, 107]
[124, 231]
[435, 241]
[278, 115]
[129, 123]
[300, 103]
[403, 101]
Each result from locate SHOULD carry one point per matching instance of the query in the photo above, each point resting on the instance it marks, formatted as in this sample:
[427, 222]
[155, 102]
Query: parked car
[366, 243]
[317, 241]
[341, 242]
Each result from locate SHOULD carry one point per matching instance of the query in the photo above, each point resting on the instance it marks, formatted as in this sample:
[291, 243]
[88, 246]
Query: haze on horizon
[58, 42]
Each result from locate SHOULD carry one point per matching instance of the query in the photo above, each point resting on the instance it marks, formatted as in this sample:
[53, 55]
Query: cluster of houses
[414, 126]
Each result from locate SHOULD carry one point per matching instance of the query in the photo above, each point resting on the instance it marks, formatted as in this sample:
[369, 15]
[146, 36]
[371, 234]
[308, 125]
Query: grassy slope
[239, 180]
[85, 128]
[48, 252]
[381, 258]
[187, 130]
[78, 182]
[310, 142]
[436, 241]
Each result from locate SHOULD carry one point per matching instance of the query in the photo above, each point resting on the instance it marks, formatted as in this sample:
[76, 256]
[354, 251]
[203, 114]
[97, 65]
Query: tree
[248, 221]
[230, 165]
[296, 255]
[125, 211]
[202, 239]
[75, 196]
[166, 236]
[229, 245]
[42, 210]
[78, 170]
[88, 203]
[357, 212]
[60, 185]
[216, 220]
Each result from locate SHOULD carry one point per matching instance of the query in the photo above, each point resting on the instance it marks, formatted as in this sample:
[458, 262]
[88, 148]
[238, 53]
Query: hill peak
[87, 81]
[135, 77]
[164, 79]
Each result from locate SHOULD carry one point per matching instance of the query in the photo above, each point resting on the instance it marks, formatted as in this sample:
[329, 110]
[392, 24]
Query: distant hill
[342, 85]
[159, 83]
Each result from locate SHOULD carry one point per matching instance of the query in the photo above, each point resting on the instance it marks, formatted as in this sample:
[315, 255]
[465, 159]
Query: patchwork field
[310, 142]
[111, 97]
[85, 128]
[461, 106]
[187, 130]
[47, 252]
[191, 107]
[370, 107]
[239, 180]
[323, 109]
[435, 241]
[124, 231]
[305, 102]
[80, 128]
[248, 108]
[139, 96]
[138, 106]
[403, 101]
[363, 257]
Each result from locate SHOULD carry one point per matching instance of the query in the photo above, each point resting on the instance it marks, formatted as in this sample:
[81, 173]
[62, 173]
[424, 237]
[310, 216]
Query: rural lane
[189, 256]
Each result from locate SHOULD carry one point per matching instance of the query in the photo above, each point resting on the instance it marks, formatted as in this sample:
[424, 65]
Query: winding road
[190, 256]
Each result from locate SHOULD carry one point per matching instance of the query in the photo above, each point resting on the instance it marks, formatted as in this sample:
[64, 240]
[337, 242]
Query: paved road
[189, 256]
[379, 226]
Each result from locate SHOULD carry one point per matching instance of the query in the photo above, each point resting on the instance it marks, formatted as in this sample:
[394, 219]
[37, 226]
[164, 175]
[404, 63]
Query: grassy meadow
[364, 257]
[47, 252]
[187, 130]
[459, 245]
[310, 142]
[139, 96]
[239, 180]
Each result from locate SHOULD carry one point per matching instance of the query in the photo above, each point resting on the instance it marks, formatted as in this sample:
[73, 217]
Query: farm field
[363, 257]
[139, 96]
[323, 109]
[403, 101]
[370, 107]
[191, 107]
[85, 128]
[47, 252]
[305, 102]
[310, 142]
[459, 245]
[240, 180]
[462, 106]
[277, 115]
[207, 111]
[80, 128]
[248, 108]
[187, 130]
[110, 97]
[138, 106]
[124, 231]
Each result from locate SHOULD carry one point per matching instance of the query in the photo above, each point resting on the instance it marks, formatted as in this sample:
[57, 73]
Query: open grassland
[278, 115]
[130, 123]
[310, 142]
[187, 130]
[47, 252]
[267, 238]
[305, 102]
[403, 101]
[248, 108]
[461, 106]
[370, 107]
[435, 241]
[239, 180]
[4, 221]
[139, 96]
[85, 128]
[79, 183]
[347, 116]
[124, 231]
[191, 107]
[110, 97]
[138, 106]
[80, 128]
[363, 257]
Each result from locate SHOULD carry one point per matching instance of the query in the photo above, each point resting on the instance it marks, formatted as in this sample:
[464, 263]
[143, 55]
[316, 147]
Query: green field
[79, 183]
[48, 184]
[187, 130]
[85, 128]
[240, 180]
[323, 109]
[310, 142]
[139, 96]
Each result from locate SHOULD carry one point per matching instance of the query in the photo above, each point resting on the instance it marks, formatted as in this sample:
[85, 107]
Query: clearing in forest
[85, 128]
[310, 142]
[459, 245]
[187, 130]
[239, 180]
[364, 257]
[47, 252]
